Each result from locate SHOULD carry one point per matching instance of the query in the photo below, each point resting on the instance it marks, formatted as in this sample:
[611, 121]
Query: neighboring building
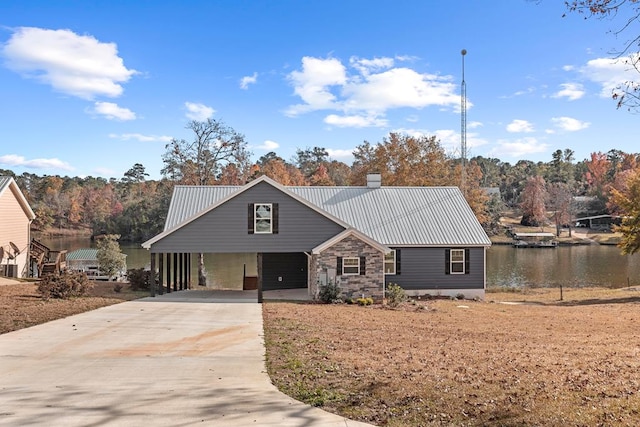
[15, 222]
[86, 261]
[425, 239]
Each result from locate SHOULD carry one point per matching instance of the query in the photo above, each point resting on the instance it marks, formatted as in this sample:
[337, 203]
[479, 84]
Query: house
[425, 239]
[86, 261]
[15, 222]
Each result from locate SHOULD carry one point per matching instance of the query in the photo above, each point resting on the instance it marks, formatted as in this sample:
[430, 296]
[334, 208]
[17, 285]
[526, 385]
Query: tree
[111, 260]
[628, 199]
[532, 202]
[202, 160]
[559, 199]
[626, 94]
[309, 159]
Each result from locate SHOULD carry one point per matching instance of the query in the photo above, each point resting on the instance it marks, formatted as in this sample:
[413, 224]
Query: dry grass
[21, 305]
[465, 363]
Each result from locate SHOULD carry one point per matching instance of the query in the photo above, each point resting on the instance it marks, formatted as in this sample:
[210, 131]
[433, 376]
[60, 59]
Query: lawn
[21, 305]
[466, 363]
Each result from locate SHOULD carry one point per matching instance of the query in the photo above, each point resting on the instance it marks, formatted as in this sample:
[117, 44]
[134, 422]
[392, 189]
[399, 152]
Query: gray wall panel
[225, 228]
[424, 268]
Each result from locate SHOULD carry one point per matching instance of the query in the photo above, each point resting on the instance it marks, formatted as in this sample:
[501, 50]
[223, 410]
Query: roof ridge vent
[374, 180]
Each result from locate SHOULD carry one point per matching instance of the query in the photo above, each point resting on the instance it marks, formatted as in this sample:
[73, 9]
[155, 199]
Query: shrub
[65, 285]
[329, 293]
[365, 301]
[395, 295]
[117, 288]
[139, 279]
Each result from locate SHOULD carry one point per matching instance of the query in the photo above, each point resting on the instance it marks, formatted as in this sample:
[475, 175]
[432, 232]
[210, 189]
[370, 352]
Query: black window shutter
[250, 221]
[339, 267]
[447, 263]
[467, 261]
[363, 263]
[397, 261]
[274, 218]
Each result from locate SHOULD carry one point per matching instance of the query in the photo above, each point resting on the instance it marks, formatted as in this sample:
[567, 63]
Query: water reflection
[577, 266]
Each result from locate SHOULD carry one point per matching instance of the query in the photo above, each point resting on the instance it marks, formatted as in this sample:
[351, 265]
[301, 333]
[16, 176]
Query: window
[457, 261]
[263, 218]
[390, 262]
[350, 266]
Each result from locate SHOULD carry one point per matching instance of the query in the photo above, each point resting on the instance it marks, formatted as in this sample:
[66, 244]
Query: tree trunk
[202, 273]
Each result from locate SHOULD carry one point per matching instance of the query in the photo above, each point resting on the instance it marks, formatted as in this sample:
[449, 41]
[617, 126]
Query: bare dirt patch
[538, 362]
[22, 306]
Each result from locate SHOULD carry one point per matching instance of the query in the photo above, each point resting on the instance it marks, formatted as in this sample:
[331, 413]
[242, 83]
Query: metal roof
[83, 255]
[393, 216]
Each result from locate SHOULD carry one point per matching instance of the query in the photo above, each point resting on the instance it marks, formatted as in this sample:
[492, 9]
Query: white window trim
[452, 262]
[385, 262]
[357, 265]
[255, 218]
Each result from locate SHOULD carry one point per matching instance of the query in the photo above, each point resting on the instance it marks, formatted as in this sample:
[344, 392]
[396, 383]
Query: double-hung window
[457, 261]
[263, 218]
[350, 266]
[390, 262]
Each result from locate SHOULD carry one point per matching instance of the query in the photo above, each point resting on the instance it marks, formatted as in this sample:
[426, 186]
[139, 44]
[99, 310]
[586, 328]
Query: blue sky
[93, 87]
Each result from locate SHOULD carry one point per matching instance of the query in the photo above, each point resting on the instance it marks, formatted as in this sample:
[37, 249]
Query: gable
[224, 228]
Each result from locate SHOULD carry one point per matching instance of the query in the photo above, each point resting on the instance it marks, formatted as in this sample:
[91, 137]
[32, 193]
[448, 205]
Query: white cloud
[140, 137]
[569, 124]
[610, 73]
[76, 65]
[366, 66]
[519, 148]
[518, 126]
[112, 111]
[268, 145]
[571, 91]
[248, 80]
[15, 160]
[354, 121]
[340, 153]
[313, 84]
[199, 112]
[474, 125]
[365, 91]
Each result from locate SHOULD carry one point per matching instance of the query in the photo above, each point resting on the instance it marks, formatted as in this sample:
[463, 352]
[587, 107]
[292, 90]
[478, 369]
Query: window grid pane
[263, 218]
[350, 266]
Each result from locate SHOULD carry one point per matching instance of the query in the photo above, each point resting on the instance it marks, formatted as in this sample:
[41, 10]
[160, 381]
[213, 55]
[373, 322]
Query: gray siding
[224, 229]
[424, 268]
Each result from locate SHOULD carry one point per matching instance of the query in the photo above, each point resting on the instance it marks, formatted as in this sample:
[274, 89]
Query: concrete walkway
[174, 360]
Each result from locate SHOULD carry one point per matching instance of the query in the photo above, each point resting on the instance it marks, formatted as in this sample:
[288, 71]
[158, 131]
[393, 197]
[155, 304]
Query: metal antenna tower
[463, 124]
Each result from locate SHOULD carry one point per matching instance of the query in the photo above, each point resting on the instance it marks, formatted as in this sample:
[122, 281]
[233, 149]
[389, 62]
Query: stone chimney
[374, 180]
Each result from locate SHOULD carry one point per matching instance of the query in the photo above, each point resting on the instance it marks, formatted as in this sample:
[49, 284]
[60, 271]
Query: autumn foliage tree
[628, 199]
[532, 202]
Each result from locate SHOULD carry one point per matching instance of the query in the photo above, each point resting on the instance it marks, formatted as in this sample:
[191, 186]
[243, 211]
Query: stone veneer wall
[370, 284]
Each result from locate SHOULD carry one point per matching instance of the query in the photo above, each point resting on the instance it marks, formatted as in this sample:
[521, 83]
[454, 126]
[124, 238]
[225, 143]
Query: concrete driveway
[176, 360]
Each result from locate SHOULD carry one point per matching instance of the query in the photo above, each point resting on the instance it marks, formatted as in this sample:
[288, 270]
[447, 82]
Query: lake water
[573, 266]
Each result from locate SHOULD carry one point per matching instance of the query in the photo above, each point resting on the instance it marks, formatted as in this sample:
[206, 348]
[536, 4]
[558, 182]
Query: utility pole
[463, 126]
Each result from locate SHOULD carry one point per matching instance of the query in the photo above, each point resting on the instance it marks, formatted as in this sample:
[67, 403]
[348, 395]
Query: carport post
[152, 285]
[168, 273]
[175, 271]
[161, 273]
[259, 277]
